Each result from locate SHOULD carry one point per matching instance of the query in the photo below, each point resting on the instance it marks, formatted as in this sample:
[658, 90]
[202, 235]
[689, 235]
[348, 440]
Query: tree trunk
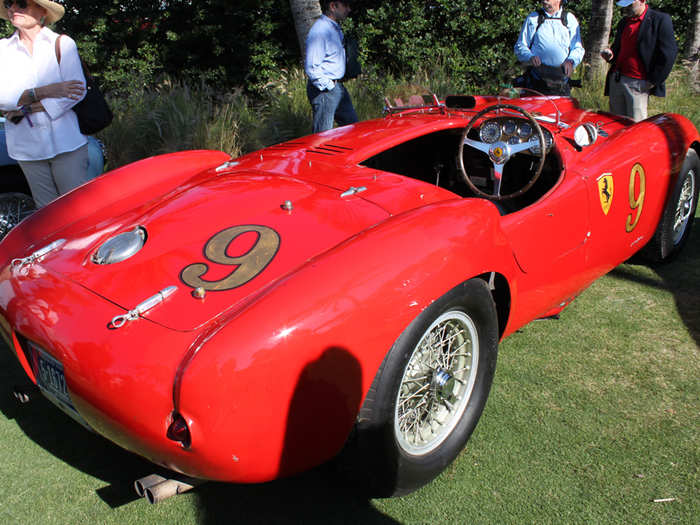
[598, 37]
[691, 54]
[305, 13]
[692, 43]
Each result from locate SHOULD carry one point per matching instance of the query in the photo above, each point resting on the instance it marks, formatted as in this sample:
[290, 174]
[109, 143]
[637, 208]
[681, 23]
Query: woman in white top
[37, 94]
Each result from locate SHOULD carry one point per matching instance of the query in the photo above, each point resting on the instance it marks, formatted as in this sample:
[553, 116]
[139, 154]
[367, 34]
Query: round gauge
[524, 130]
[514, 140]
[510, 127]
[490, 132]
[548, 141]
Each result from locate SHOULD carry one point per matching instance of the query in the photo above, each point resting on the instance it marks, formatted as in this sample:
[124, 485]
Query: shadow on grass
[58, 434]
[328, 388]
[681, 277]
[301, 499]
[308, 498]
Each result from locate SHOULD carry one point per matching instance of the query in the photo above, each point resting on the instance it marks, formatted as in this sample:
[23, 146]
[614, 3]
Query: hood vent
[329, 150]
[283, 147]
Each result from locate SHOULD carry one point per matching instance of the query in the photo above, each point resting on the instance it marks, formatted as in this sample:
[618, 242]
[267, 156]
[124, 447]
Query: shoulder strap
[541, 17]
[58, 49]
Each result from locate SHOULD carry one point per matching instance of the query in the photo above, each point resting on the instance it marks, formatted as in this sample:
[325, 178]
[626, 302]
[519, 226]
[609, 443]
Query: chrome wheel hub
[684, 207]
[437, 383]
[13, 208]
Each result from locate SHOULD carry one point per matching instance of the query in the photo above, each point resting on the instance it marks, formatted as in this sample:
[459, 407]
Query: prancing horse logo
[605, 191]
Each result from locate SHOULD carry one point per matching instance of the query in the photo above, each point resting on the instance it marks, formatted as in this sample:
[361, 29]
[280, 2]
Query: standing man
[325, 67]
[550, 44]
[641, 59]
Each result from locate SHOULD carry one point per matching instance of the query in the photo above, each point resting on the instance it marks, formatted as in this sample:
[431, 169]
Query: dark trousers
[327, 106]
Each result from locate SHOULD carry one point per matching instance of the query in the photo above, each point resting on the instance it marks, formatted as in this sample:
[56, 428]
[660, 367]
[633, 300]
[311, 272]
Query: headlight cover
[585, 135]
[120, 247]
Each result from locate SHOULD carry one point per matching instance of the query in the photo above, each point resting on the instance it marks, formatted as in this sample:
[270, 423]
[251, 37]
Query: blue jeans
[328, 106]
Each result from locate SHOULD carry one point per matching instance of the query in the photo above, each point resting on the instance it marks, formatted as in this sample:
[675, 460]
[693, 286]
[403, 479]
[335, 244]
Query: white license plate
[51, 380]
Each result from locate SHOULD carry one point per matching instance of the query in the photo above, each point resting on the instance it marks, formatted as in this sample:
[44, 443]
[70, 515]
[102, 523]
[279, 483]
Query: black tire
[13, 208]
[679, 214]
[387, 454]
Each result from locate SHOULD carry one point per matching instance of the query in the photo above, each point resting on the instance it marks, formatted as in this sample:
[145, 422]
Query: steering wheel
[501, 152]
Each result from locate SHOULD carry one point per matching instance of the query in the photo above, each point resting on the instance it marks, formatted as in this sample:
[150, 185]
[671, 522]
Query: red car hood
[180, 228]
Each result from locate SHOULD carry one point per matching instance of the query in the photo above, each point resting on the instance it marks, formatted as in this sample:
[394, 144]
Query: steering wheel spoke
[500, 153]
[523, 146]
[497, 179]
[477, 144]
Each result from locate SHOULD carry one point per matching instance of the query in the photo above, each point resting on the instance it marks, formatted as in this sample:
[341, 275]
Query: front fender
[277, 384]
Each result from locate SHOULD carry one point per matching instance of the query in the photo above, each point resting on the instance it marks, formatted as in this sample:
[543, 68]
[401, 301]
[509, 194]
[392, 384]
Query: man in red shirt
[641, 59]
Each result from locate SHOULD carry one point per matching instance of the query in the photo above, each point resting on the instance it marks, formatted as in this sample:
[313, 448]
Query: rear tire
[428, 394]
[13, 208]
[678, 217]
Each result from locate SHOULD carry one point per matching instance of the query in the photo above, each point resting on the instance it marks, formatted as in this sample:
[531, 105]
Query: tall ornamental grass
[176, 116]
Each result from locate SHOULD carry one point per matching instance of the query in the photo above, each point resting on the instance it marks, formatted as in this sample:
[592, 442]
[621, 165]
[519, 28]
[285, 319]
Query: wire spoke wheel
[684, 208]
[437, 383]
[428, 393]
[13, 208]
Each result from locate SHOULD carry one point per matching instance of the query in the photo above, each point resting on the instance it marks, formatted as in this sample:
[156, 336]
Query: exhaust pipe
[156, 488]
[144, 483]
[24, 393]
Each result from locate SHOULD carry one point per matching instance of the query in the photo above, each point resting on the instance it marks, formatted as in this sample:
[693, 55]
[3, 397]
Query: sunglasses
[22, 4]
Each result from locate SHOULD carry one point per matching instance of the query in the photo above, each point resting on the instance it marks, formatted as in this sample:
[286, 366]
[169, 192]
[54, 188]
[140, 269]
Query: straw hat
[54, 11]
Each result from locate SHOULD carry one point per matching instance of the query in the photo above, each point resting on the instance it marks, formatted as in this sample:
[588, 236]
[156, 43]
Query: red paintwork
[270, 375]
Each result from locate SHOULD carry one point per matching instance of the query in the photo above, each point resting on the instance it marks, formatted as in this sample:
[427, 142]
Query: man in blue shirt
[325, 67]
[550, 43]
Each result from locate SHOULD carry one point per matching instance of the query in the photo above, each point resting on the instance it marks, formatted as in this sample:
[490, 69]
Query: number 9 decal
[636, 202]
[248, 265]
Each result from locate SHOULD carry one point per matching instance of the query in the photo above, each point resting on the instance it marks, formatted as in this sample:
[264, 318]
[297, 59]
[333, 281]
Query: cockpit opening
[432, 158]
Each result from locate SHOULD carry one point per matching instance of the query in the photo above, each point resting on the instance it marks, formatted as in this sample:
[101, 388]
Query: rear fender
[108, 196]
[682, 136]
[278, 383]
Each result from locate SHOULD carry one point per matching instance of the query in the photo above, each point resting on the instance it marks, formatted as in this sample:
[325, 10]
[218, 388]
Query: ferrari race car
[338, 296]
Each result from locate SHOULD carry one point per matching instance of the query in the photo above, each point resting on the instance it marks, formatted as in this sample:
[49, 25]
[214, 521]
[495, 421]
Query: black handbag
[93, 112]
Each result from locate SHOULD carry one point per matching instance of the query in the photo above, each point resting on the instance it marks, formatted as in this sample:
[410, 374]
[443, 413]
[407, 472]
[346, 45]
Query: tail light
[179, 432]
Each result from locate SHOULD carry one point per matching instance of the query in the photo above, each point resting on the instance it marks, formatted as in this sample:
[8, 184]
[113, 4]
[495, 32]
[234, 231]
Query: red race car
[341, 295]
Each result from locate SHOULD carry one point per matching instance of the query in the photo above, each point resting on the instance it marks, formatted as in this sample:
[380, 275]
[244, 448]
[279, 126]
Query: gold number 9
[636, 203]
[248, 265]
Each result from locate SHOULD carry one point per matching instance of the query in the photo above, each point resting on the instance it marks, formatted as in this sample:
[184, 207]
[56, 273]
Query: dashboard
[513, 131]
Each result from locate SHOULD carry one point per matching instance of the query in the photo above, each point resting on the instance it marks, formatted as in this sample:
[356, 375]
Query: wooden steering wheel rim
[465, 133]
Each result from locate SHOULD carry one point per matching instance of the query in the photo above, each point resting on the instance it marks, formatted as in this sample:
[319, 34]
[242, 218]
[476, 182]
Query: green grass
[591, 418]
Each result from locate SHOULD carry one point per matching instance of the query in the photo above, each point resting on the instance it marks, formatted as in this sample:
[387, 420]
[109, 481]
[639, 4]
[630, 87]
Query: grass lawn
[592, 417]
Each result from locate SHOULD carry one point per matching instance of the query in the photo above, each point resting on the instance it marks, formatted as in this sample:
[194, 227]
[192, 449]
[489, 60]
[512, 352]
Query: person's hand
[72, 89]
[536, 61]
[568, 67]
[13, 116]
[607, 54]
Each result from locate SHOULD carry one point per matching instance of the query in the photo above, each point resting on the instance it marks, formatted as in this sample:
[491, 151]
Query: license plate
[51, 380]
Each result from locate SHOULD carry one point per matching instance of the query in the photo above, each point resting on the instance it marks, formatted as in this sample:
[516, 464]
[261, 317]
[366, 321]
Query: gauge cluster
[513, 131]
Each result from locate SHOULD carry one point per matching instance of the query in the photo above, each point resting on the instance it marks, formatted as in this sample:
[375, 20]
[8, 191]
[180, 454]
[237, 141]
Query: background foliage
[248, 43]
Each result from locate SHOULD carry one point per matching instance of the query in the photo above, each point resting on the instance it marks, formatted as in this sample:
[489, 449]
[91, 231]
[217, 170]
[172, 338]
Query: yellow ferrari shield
[605, 191]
